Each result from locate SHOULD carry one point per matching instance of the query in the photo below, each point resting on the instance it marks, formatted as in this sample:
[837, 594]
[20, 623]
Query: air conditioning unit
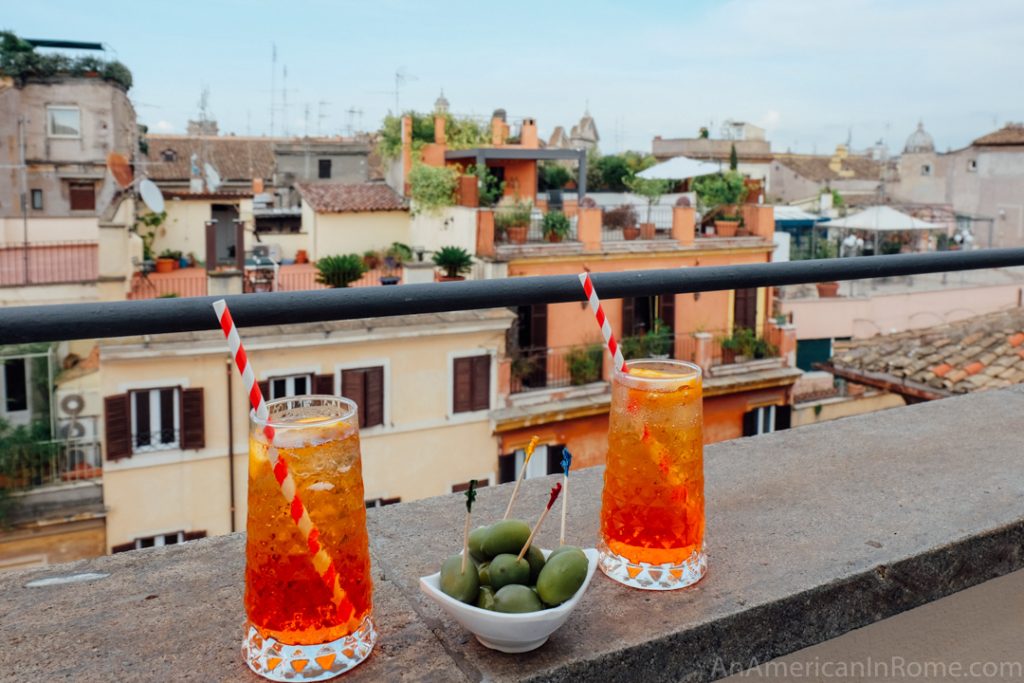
[76, 419]
[268, 251]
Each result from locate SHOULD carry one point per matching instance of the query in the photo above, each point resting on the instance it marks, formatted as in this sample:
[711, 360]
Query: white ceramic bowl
[508, 632]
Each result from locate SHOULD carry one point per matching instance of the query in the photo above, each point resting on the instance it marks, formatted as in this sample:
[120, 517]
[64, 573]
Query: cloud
[164, 126]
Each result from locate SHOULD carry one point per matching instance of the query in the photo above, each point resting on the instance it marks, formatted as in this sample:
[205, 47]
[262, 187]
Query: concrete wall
[348, 233]
[107, 124]
[299, 161]
[420, 451]
[41, 546]
[833, 409]
[49, 229]
[184, 229]
[455, 226]
[865, 317]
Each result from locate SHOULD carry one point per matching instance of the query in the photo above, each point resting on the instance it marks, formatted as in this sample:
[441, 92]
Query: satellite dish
[120, 169]
[212, 177]
[151, 195]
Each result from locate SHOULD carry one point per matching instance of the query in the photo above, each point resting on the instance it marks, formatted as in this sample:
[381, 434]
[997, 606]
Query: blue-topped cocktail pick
[566, 464]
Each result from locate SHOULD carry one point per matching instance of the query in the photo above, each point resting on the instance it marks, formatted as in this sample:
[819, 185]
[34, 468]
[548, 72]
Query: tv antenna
[320, 115]
[353, 114]
[273, 75]
[401, 78]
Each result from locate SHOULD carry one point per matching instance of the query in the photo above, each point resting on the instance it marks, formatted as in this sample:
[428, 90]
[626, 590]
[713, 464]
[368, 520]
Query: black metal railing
[125, 318]
[47, 263]
[535, 233]
[631, 222]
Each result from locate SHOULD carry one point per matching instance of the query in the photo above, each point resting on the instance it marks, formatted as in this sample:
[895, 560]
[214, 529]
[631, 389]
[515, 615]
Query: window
[169, 155]
[972, 165]
[82, 196]
[37, 200]
[63, 122]
[155, 419]
[365, 386]
[926, 169]
[15, 385]
[464, 486]
[471, 384]
[766, 419]
[159, 540]
[294, 385]
[381, 502]
[546, 459]
[324, 168]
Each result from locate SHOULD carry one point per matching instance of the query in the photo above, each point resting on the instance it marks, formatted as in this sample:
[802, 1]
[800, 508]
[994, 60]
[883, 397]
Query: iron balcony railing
[48, 263]
[125, 318]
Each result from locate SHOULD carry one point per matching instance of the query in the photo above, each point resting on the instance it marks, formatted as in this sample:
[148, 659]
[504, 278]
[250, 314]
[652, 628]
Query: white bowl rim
[566, 606]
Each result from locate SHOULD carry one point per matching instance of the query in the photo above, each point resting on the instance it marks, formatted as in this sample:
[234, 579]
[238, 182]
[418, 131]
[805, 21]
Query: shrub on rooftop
[432, 187]
[340, 270]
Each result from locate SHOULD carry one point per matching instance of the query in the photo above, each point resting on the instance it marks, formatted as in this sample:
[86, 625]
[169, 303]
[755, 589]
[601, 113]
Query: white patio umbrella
[883, 219]
[680, 168]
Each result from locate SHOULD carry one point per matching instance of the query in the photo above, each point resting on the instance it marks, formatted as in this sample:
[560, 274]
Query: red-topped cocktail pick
[470, 497]
[522, 472]
[566, 464]
[555, 490]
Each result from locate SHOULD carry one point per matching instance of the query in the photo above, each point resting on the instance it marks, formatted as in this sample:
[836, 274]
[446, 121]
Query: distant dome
[441, 104]
[919, 141]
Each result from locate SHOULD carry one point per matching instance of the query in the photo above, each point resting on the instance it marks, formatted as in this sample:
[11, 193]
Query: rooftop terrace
[812, 532]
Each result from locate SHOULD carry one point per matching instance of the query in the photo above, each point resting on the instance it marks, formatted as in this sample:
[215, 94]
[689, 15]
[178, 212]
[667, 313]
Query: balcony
[866, 523]
[48, 263]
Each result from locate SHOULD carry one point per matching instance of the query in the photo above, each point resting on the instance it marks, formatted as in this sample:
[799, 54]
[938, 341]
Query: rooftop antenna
[284, 98]
[401, 77]
[273, 75]
[352, 114]
[320, 115]
[306, 132]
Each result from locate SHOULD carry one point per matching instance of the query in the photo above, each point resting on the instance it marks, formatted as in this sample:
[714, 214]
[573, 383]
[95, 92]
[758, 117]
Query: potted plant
[454, 261]
[340, 270]
[825, 248]
[658, 342]
[651, 190]
[556, 226]
[371, 259]
[555, 178]
[584, 363]
[722, 193]
[513, 220]
[301, 256]
[523, 368]
[623, 218]
[165, 262]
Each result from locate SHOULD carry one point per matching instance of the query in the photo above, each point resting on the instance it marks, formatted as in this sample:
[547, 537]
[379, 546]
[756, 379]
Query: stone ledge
[811, 533]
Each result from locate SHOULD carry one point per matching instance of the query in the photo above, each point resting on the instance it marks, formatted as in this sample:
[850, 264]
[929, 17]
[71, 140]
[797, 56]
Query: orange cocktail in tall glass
[297, 628]
[652, 509]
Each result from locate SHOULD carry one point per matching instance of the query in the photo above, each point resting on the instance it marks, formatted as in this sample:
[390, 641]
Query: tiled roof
[1010, 134]
[976, 354]
[236, 158]
[350, 197]
[817, 167]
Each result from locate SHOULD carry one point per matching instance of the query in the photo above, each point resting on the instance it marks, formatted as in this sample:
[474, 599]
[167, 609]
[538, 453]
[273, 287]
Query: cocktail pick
[519, 480]
[566, 463]
[555, 490]
[470, 497]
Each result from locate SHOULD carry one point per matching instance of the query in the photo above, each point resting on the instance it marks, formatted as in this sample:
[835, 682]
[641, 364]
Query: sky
[812, 73]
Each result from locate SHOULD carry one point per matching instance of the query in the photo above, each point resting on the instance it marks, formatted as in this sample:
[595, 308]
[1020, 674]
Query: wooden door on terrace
[531, 364]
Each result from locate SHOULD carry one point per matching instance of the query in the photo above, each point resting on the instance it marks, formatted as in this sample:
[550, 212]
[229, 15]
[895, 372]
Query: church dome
[919, 141]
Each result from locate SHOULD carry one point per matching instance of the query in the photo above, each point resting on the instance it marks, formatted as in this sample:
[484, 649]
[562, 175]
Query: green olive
[506, 536]
[562, 549]
[562, 576]
[516, 598]
[461, 585]
[536, 559]
[476, 538]
[485, 600]
[506, 569]
[484, 570]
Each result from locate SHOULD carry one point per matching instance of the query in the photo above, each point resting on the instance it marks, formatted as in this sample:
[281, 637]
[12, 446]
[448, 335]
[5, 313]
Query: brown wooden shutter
[506, 468]
[374, 396]
[193, 432]
[193, 535]
[481, 398]
[265, 389]
[82, 196]
[353, 387]
[464, 486]
[745, 308]
[628, 317]
[539, 326]
[323, 384]
[462, 385]
[668, 311]
[750, 423]
[783, 417]
[117, 426]
[122, 547]
[555, 458]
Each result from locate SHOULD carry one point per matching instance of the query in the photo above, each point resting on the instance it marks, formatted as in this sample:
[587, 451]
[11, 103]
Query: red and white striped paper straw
[602, 322]
[322, 561]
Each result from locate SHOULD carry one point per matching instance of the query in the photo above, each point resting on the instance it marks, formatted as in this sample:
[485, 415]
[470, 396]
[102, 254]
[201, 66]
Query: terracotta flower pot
[631, 233]
[647, 231]
[553, 237]
[517, 234]
[301, 256]
[828, 289]
[728, 356]
[726, 228]
[449, 278]
[164, 265]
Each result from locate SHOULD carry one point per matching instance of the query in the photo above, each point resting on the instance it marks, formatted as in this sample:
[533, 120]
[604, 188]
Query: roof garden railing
[128, 318]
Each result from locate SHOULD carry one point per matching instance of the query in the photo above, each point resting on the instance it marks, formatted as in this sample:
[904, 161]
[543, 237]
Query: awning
[883, 219]
[680, 168]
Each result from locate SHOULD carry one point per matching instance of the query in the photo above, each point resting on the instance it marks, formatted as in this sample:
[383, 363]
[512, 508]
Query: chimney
[499, 131]
[439, 134]
[528, 137]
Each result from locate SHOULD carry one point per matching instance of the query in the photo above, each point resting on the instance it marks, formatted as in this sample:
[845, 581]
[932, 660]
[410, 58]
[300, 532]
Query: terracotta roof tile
[351, 197]
[974, 368]
[818, 167]
[941, 370]
[1016, 339]
[1010, 134]
[235, 158]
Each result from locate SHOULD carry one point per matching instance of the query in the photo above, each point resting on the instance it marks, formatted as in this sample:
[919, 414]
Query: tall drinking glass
[652, 508]
[297, 627]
